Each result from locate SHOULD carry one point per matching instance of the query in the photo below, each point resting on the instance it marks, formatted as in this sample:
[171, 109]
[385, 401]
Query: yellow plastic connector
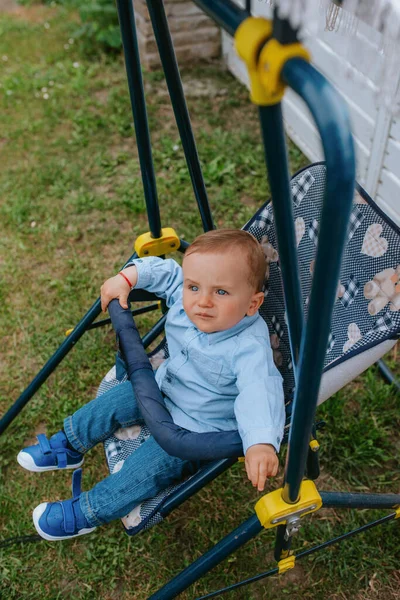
[145, 245]
[314, 445]
[397, 511]
[265, 58]
[286, 563]
[272, 510]
[250, 37]
[67, 333]
[272, 59]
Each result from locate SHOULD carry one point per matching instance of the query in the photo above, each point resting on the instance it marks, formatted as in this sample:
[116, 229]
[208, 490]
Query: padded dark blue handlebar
[175, 440]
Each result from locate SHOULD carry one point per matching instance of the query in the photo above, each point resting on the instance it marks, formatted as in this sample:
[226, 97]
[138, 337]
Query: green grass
[71, 205]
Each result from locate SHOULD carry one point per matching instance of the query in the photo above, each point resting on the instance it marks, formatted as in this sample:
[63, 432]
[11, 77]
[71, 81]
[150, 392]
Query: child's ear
[255, 303]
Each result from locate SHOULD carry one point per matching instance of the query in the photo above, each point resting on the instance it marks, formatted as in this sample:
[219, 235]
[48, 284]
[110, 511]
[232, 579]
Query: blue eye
[193, 288]
[221, 292]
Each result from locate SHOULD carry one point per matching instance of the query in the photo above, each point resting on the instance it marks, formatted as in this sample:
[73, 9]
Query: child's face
[216, 291]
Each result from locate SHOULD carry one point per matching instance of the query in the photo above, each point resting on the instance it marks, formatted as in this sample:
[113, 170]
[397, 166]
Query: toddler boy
[219, 376]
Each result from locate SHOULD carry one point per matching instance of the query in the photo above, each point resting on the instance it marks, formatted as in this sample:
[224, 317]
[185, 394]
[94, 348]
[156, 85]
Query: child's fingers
[252, 472]
[123, 300]
[272, 467]
[262, 476]
[103, 300]
[105, 297]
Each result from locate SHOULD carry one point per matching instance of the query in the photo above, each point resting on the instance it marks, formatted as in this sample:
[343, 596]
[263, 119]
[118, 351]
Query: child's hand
[261, 462]
[118, 287]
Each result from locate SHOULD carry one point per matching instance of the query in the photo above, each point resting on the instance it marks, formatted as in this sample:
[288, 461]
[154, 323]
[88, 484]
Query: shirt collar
[219, 336]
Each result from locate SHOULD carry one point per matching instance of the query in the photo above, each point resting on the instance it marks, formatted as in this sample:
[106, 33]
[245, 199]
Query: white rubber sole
[37, 513]
[26, 461]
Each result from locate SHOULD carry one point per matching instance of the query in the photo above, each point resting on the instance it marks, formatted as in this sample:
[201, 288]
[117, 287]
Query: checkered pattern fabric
[277, 326]
[356, 219]
[383, 323]
[352, 288]
[374, 243]
[331, 342]
[313, 230]
[373, 246]
[265, 219]
[301, 187]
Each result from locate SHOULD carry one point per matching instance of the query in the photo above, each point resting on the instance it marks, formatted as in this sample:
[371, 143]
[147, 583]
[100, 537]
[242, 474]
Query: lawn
[71, 206]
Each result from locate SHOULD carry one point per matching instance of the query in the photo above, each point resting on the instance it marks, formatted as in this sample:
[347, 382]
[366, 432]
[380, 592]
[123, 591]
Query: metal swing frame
[274, 59]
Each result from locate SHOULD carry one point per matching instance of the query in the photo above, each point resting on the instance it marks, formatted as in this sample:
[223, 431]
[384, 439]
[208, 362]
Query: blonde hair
[224, 240]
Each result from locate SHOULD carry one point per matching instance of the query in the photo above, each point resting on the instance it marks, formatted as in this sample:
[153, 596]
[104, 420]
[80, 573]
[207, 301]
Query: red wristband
[126, 279]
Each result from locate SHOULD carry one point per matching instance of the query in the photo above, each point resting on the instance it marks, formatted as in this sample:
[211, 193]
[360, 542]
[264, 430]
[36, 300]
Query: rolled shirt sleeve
[161, 277]
[259, 407]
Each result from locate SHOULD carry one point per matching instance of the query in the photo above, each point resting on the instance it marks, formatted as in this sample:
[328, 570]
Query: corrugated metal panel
[395, 132]
[392, 157]
[331, 65]
[300, 127]
[303, 132]
[388, 195]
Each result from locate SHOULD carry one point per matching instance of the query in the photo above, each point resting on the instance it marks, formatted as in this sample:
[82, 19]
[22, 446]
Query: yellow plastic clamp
[272, 510]
[146, 245]
[272, 59]
[69, 331]
[397, 511]
[314, 445]
[250, 37]
[286, 563]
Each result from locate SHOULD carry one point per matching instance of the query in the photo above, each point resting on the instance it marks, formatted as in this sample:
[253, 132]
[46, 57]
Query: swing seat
[365, 323]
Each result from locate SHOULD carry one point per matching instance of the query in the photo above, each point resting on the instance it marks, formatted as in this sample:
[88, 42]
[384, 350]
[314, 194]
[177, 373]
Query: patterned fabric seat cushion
[366, 312]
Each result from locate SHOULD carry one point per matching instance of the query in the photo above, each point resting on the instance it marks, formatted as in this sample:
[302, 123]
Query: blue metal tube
[331, 118]
[50, 366]
[54, 361]
[237, 538]
[225, 13]
[388, 374]
[196, 483]
[135, 312]
[172, 77]
[361, 501]
[136, 90]
[278, 175]
[303, 554]
[67, 345]
[154, 332]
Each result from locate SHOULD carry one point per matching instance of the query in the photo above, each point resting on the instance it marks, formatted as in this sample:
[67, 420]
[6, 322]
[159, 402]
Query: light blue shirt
[215, 381]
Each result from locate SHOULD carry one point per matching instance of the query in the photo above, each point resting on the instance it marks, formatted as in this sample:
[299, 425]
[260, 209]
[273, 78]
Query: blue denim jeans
[144, 473]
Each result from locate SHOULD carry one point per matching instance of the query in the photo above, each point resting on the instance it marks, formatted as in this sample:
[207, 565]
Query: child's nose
[205, 300]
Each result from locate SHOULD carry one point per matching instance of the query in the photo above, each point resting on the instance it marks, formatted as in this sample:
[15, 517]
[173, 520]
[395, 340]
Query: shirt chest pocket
[210, 369]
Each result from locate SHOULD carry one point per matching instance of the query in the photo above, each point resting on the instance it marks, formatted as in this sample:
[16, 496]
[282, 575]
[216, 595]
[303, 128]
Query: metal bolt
[292, 527]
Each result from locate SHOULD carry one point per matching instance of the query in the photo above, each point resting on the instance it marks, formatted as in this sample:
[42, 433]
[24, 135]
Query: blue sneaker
[49, 455]
[62, 520]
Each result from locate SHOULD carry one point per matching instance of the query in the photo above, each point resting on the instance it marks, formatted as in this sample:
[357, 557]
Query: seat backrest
[367, 308]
